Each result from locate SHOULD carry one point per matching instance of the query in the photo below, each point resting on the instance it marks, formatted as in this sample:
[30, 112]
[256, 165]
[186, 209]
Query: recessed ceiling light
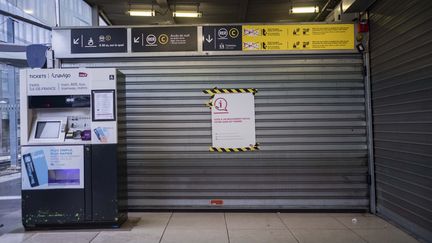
[146, 13]
[187, 14]
[305, 10]
[28, 11]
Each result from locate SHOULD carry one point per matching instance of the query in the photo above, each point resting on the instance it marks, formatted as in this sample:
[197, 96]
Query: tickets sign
[297, 37]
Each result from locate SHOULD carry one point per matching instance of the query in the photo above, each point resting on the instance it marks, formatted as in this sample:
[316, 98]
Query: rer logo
[222, 33]
[151, 39]
[220, 104]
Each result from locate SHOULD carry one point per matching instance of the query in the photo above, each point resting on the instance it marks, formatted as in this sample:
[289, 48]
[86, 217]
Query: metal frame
[369, 131]
[25, 20]
[61, 43]
[13, 117]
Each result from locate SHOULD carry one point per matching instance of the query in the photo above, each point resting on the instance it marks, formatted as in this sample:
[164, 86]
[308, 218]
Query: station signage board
[98, 40]
[298, 37]
[262, 39]
[222, 38]
[164, 39]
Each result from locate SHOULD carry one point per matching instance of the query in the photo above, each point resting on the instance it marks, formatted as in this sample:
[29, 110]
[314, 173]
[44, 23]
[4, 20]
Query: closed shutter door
[310, 124]
[401, 69]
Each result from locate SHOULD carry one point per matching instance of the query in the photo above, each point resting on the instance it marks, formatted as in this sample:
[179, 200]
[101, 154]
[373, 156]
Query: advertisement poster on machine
[233, 120]
[52, 167]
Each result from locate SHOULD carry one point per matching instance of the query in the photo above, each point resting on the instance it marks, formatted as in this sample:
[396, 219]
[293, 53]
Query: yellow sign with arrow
[298, 37]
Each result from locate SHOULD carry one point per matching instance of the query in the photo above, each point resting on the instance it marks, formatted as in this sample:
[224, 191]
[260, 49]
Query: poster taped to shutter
[233, 120]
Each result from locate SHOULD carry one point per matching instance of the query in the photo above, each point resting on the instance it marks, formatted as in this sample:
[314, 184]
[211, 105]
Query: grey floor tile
[362, 222]
[311, 222]
[130, 223]
[176, 235]
[305, 215]
[253, 221]
[353, 215]
[326, 235]
[62, 237]
[11, 223]
[385, 236]
[15, 237]
[131, 237]
[261, 236]
[197, 221]
[151, 220]
[152, 215]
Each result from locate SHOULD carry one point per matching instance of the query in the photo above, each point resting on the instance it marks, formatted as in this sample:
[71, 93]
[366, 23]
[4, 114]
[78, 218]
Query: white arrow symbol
[209, 39]
[136, 39]
[76, 41]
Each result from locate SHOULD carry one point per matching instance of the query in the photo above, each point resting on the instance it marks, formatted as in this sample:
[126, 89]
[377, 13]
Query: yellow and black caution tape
[209, 104]
[228, 150]
[215, 90]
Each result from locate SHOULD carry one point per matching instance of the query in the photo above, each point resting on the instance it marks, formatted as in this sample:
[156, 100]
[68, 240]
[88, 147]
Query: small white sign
[233, 120]
[52, 167]
[104, 132]
[103, 105]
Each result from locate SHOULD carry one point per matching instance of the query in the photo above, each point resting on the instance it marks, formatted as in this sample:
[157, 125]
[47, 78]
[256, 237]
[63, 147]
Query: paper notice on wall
[233, 120]
[103, 105]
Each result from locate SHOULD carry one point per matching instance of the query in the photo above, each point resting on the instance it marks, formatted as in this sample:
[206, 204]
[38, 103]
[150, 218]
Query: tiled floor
[229, 228]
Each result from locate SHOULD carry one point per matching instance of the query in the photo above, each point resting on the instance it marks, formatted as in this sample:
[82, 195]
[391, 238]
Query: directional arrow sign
[164, 39]
[222, 38]
[98, 40]
[209, 39]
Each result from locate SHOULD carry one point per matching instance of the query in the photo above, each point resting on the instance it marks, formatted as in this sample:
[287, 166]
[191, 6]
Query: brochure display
[72, 175]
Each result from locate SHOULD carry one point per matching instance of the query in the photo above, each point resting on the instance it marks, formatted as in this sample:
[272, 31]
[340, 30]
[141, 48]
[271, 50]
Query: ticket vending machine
[73, 171]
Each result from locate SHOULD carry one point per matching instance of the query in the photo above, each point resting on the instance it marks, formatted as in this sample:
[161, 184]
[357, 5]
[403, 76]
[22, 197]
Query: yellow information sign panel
[297, 37]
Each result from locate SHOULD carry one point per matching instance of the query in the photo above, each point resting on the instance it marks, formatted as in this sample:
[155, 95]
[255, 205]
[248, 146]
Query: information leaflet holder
[72, 171]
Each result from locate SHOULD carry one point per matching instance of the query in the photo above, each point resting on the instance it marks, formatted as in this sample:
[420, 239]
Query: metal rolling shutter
[401, 65]
[310, 119]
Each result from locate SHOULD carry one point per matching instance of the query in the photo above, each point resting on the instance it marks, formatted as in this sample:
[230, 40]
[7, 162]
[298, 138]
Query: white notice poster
[103, 105]
[233, 120]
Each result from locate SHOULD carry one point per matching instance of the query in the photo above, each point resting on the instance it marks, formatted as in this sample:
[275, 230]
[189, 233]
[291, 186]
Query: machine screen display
[47, 129]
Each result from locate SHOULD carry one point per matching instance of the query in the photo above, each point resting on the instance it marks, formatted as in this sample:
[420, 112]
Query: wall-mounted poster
[103, 107]
[233, 120]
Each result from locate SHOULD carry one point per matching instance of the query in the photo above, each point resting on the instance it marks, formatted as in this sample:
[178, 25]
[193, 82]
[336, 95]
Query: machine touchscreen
[47, 129]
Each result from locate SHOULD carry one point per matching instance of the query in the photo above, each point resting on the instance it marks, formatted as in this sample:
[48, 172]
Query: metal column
[13, 128]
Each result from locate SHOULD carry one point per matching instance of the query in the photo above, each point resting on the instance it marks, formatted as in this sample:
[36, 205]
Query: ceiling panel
[214, 11]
